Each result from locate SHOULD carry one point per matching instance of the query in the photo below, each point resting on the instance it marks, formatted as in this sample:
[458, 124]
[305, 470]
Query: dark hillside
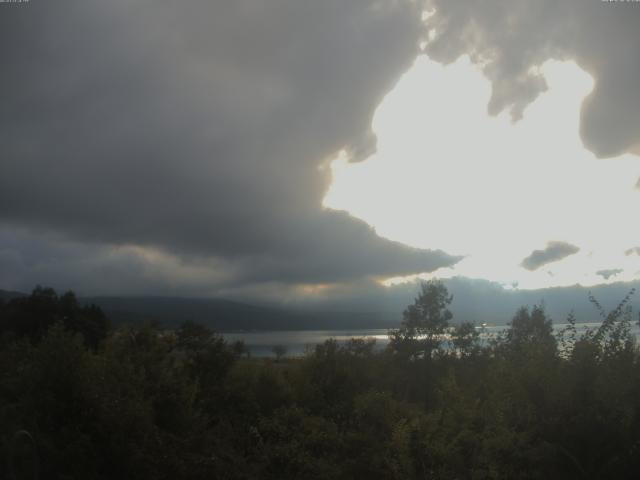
[226, 315]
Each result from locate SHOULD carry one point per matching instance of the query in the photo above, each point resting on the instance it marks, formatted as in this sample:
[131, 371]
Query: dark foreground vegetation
[79, 400]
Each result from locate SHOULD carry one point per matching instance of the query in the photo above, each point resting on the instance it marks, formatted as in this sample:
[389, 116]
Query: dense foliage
[78, 400]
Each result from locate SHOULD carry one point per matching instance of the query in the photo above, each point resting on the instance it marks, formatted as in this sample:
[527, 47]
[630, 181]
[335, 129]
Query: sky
[285, 149]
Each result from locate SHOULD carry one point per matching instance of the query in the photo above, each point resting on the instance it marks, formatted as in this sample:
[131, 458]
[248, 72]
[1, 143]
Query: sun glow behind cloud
[448, 176]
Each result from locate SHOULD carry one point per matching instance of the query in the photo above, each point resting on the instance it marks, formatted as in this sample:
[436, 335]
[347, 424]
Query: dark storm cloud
[509, 38]
[197, 127]
[553, 252]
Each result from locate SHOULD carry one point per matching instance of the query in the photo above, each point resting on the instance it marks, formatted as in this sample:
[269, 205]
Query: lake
[260, 344]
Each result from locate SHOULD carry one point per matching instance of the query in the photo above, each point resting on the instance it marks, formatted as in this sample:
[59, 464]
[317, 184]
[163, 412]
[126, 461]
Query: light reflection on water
[260, 344]
[297, 341]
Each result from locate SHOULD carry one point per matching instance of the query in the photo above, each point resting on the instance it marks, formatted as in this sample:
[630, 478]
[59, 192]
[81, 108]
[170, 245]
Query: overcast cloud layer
[178, 144]
[197, 128]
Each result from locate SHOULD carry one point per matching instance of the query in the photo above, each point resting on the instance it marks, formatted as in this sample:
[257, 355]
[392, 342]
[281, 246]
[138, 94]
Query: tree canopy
[144, 402]
[424, 322]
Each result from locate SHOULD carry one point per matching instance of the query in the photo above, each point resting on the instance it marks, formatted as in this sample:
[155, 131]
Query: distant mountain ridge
[7, 295]
[476, 301]
[226, 315]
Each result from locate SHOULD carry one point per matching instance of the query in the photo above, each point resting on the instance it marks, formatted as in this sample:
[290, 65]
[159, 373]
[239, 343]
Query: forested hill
[475, 301]
[80, 399]
[226, 315]
[7, 295]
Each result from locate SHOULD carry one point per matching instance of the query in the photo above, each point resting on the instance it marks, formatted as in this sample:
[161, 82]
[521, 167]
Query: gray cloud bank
[609, 272]
[553, 252]
[197, 128]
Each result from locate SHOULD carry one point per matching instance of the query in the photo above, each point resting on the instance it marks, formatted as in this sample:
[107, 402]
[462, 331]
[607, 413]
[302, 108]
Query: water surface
[296, 342]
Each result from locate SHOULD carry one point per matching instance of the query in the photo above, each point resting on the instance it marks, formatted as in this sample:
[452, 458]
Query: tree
[424, 322]
[465, 339]
[239, 348]
[88, 320]
[531, 330]
[32, 316]
[279, 351]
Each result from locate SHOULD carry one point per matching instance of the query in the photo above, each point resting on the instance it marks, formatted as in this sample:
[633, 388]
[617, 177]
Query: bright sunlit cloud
[448, 176]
